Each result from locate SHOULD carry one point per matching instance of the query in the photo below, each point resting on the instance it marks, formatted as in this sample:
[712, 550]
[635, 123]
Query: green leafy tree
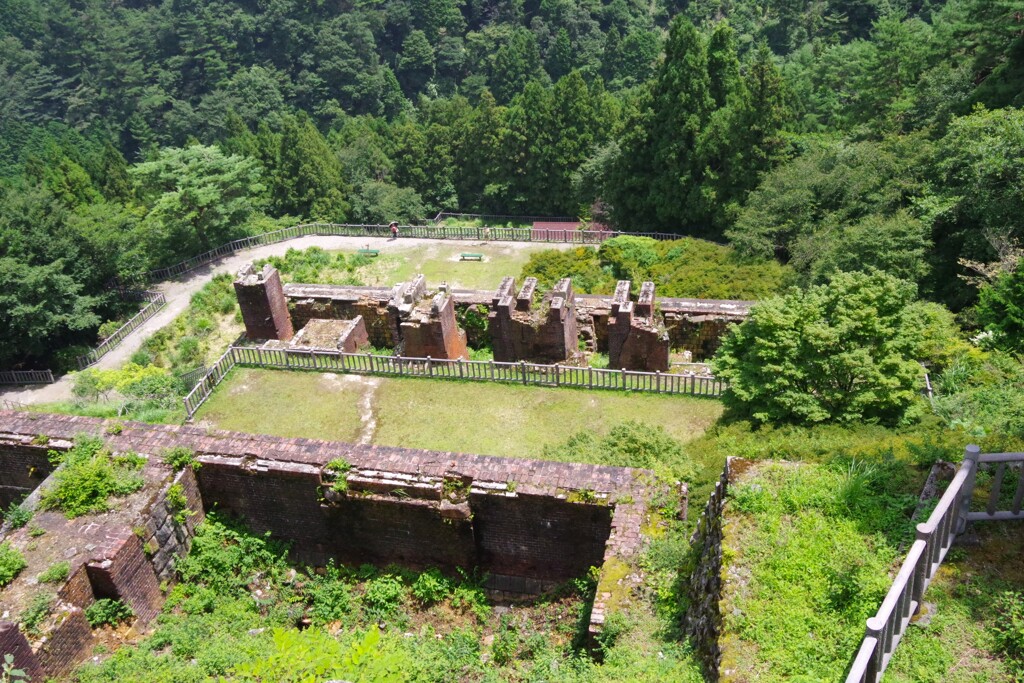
[197, 199]
[307, 177]
[842, 352]
[38, 306]
[416, 63]
[1001, 310]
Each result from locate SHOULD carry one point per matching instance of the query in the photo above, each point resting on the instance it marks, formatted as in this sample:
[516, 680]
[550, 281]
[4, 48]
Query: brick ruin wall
[528, 524]
[518, 329]
[122, 555]
[262, 302]
[521, 330]
[637, 340]
[433, 332]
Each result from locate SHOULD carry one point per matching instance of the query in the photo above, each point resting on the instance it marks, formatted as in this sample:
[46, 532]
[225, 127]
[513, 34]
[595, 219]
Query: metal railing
[934, 538]
[6, 404]
[485, 371]
[156, 302]
[26, 377]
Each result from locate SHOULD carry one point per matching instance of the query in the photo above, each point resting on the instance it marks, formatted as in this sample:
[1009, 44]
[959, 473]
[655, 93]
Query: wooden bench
[471, 257]
[369, 252]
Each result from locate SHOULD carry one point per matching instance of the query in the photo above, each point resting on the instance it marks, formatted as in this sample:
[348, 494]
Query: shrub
[38, 609]
[17, 515]
[107, 611]
[338, 468]
[11, 563]
[55, 573]
[90, 477]
[330, 596]
[1009, 629]
[842, 352]
[178, 503]
[506, 641]
[384, 595]
[180, 456]
[431, 586]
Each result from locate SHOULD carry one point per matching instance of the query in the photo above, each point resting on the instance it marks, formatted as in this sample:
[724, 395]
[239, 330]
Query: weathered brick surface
[13, 642]
[539, 537]
[694, 325]
[546, 333]
[126, 574]
[22, 468]
[636, 339]
[68, 643]
[519, 520]
[263, 305]
[432, 331]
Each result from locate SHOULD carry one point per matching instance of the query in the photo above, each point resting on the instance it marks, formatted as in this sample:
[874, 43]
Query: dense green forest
[832, 136]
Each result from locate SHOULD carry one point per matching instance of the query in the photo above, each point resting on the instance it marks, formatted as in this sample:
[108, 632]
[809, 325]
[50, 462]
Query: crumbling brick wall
[543, 333]
[263, 305]
[637, 339]
[432, 331]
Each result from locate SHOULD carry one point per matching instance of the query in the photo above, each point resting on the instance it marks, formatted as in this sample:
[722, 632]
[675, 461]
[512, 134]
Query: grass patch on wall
[496, 419]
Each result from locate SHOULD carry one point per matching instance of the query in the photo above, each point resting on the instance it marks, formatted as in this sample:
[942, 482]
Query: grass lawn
[484, 418]
[438, 262]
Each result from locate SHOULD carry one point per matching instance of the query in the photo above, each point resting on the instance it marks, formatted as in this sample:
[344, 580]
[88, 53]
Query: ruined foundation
[528, 524]
[519, 327]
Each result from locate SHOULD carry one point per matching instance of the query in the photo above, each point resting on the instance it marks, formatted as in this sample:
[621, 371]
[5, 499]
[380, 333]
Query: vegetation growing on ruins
[89, 477]
[241, 611]
[11, 563]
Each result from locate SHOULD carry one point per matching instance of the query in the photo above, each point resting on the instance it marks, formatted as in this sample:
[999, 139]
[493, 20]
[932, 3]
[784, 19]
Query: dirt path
[179, 292]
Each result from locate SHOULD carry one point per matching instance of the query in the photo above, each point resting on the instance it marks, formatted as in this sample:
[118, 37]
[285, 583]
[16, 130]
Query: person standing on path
[394, 230]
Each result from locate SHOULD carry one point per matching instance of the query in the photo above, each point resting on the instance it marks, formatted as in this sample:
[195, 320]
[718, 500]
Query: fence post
[590, 376]
[522, 368]
[624, 379]
[460, 367]
[491, 363]
[971, 454]
[558, 382]
[430, 368]
[657, 381]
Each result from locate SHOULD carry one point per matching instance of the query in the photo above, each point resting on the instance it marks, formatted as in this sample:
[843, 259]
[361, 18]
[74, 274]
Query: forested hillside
[829, 135]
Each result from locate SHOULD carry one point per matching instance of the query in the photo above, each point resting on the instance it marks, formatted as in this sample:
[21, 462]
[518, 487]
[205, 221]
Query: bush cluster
[90, 476]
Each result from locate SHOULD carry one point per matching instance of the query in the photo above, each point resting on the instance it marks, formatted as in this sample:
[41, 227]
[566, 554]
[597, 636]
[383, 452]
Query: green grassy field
[485, 418]
[403, 260]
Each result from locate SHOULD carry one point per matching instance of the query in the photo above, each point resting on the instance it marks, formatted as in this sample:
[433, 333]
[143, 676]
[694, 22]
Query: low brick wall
[528, 524]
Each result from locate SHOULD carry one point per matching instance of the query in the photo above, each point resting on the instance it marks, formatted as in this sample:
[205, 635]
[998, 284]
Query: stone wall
[308, 302]
[703, 618]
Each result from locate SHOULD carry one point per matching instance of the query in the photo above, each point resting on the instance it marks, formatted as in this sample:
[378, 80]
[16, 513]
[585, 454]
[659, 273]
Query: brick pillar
[619, 321]
[499, 321]
[264, 307]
